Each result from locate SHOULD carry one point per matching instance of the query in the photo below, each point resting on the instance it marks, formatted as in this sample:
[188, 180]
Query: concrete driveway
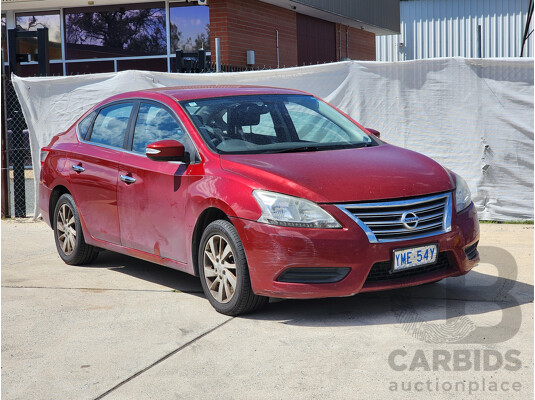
[127, 329]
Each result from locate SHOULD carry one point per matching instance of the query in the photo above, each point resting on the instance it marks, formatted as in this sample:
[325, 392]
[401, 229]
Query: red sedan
[262, 192]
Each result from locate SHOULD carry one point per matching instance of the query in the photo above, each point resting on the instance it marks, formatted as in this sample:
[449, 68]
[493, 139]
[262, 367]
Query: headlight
[283, 210]
[462, 194]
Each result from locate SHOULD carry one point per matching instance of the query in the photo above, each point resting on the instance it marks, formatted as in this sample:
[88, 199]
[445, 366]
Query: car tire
[68, 234]
[224, 272]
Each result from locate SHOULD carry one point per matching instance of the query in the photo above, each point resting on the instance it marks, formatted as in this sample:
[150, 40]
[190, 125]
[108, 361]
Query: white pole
[217, 55]
[278, 59]
[168, 34]
[63, 44]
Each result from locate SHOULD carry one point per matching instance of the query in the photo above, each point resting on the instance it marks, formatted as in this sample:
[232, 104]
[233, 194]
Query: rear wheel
[70, 242]
[224, 272]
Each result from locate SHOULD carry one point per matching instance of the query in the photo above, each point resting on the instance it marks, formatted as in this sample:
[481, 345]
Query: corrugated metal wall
[448, 28]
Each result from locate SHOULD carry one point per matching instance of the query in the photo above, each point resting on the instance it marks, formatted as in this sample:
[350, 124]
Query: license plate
[415, 257]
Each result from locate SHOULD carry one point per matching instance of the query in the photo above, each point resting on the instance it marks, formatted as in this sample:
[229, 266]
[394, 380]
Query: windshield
[273, 124]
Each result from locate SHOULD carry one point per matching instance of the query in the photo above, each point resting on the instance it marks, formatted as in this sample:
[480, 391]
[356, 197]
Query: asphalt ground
[122, 328]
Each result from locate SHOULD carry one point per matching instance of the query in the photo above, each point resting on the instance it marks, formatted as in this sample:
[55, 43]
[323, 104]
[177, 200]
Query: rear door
[151, 195]
[94, 170]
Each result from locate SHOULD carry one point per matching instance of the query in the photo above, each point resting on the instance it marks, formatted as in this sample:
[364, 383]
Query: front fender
[230, 194]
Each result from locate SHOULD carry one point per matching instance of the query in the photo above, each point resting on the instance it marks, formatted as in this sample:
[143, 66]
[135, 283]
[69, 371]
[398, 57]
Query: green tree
[202, 41]
[132, 31]
[175, 37]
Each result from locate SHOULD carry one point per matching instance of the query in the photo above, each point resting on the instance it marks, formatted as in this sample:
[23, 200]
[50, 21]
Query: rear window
[110, 125]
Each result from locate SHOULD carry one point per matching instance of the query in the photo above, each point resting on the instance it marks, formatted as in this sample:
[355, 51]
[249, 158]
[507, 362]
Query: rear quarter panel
[54, 172]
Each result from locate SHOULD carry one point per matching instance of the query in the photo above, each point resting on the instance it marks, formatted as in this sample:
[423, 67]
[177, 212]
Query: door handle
[127, 179]
[78, 168]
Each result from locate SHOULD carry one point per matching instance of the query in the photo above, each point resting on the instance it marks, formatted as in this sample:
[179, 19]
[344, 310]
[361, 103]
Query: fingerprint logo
[452, 331]
[422, 319]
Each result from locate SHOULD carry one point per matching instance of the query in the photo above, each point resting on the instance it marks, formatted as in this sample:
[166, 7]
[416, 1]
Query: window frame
[102, 63]
[189, 144]
[52, 12]
[177, 4]
[4, 37]
[89, 134]
[91, 116]
[111, 8]
[130, 144]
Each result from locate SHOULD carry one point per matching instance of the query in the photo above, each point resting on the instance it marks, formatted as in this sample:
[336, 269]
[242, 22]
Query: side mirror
[374, 132]
[167, 150]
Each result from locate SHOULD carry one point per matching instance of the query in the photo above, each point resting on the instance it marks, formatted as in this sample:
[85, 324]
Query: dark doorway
[316, 40]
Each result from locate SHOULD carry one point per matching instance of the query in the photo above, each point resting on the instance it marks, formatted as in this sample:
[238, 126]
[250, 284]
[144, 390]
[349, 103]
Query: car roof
[200, 92]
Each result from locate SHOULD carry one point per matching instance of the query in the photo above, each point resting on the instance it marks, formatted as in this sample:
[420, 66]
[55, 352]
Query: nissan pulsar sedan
[261, 192]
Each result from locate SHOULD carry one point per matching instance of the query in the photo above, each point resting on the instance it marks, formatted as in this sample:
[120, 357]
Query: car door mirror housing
[374, 132]
[167, 150]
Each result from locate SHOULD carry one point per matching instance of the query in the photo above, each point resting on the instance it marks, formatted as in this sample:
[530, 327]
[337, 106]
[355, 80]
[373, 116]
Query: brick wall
[245, 25]
[361, 43]
[251, 25]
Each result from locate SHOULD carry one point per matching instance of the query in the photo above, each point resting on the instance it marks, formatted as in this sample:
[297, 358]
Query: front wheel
[224, 272]
[70, 242]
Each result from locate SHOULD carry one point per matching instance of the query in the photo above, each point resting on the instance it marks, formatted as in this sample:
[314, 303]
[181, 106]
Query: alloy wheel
[220, 269]
[66, 229]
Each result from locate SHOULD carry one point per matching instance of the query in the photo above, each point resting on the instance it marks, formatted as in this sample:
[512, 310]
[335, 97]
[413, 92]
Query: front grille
[381, 271]
[396, 220]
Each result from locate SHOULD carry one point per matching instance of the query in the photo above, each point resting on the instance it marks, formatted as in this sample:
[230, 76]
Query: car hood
[333, 176]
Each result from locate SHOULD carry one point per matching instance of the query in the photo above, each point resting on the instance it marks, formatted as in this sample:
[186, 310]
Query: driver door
[151, 194]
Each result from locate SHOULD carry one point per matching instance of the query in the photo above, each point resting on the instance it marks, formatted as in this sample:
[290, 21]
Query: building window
[115, 31]
[33, 21]
[4, 38]
[190, 27]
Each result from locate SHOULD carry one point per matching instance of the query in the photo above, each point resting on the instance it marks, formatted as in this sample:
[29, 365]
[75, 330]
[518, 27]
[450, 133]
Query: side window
[85, 124]
[110, 125]
[154, 123]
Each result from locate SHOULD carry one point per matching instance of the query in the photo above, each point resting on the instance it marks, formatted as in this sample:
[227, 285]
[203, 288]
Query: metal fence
[240, 68]
[17, 155]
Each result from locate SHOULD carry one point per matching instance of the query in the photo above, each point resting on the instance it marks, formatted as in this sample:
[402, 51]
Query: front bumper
[272, 250]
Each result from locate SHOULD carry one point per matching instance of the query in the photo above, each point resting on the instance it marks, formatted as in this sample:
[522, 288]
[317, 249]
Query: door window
[110, 125]
[154, 123]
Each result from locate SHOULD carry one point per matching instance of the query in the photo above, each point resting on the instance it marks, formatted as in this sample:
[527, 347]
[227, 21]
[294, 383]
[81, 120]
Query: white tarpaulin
[474, 116]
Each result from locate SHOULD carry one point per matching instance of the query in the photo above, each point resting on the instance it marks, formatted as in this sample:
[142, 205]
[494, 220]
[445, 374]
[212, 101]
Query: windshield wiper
[320, 148]
[297, 149]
